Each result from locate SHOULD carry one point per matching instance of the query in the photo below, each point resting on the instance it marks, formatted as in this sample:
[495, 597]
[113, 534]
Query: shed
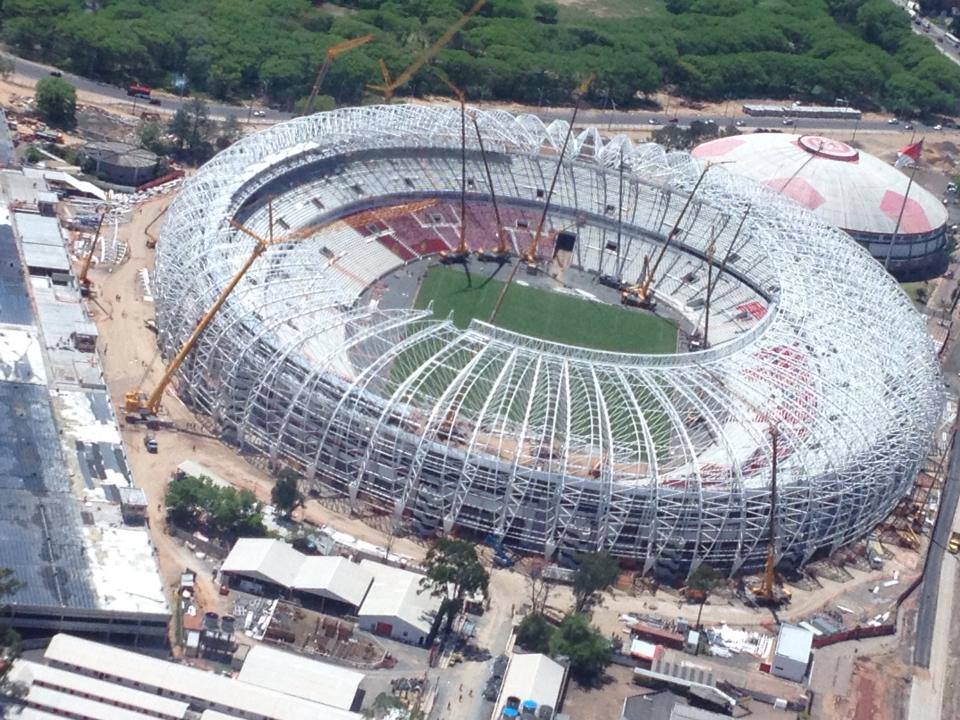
[396, 606]
[133, 505]
[533, 681]
[298, 675]
[792, 656]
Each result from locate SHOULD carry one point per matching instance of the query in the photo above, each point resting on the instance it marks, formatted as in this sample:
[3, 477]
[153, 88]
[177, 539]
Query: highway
[619, 118]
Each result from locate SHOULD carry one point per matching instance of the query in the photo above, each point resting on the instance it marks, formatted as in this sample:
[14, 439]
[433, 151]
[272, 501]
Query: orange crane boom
[389, 87]
[331, 54]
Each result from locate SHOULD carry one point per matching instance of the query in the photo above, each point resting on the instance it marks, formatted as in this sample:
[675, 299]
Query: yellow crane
[331, 54]
[769, 591]
[86, 286]
[530, 255]
[390, 86]
[142, 407]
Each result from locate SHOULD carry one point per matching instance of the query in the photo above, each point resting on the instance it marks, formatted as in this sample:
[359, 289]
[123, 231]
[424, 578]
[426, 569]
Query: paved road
[937, 35]
[35, 71]
[929, 591]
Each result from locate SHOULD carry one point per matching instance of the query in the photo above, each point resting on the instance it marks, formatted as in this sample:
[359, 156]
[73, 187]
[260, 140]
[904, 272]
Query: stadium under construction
[321, 359]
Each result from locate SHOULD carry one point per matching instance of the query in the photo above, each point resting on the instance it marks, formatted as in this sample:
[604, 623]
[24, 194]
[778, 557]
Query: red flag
[910, 154]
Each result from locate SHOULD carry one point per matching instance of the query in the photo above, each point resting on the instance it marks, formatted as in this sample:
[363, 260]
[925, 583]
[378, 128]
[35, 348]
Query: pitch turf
[545, 314]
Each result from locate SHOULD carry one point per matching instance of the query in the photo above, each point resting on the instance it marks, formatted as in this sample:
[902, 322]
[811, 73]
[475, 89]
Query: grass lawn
[911, 289]
[545, 314]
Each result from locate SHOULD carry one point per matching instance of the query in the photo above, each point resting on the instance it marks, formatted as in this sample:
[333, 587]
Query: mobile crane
[86, 286]
[641, 294]
[461, 255]
[332, 52]
[770, 592]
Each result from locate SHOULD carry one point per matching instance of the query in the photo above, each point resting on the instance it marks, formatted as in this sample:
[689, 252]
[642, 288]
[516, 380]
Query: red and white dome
[845, 187]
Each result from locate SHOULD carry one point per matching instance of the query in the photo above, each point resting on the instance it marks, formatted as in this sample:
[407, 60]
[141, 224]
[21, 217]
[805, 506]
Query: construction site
[777, 421]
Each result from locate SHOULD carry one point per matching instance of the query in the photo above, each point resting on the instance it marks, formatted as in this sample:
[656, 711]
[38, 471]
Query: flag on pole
[910, 154]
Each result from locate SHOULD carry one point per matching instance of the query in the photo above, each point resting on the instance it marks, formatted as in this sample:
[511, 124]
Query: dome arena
[848, 189]
[326, 358]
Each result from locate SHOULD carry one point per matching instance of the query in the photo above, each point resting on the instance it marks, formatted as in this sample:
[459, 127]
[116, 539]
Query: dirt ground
[131, 360]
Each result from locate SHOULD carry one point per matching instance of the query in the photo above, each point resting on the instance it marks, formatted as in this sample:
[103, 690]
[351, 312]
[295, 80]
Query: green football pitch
[545, 314]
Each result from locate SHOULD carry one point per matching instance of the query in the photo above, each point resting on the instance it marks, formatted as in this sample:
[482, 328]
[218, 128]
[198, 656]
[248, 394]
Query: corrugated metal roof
[795, 643]
[191, 682]
[276, 562]
[845, 187]
[295, 674]
[396, 593]
[532, 676]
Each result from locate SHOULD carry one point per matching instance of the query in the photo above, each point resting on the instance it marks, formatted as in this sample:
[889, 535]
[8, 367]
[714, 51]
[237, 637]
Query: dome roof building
[847, 188]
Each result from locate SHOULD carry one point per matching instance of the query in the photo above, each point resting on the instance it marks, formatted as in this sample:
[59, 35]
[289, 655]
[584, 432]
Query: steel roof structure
[662, 459]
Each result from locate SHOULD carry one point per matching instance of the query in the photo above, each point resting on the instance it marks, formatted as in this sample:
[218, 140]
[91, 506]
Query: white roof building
[276, 562]
[200, 689]
[792, 656]
[531, 676]
[297, 675]
[396, 599]
[845, 187]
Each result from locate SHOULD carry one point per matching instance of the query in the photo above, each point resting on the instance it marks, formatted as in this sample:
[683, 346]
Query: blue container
[509, 712]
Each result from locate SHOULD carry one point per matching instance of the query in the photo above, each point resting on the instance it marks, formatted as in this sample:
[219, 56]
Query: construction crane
[140, 407]
[641, 294]
[530, 255]
[390, 86]
[712, 278]
[769, 592]
[332, 52]
[86, 286]
[502, 254]
[362, 219]
[460, 256]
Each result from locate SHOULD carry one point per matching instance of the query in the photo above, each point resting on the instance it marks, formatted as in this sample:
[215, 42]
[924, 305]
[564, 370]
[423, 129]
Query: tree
[588, 649]
[595, 573]
[224, 512]
[229, 132]
[702, 581]
[7, 66]
[151, 137]
[453, 572]
[56, 101]
[191, 126]
[535, 632]
[545, 12]
[539, 588]
[286, 495]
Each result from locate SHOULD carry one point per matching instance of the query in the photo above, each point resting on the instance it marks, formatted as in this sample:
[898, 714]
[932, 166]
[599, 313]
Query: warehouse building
[297, 675]
[396, 605]
[792, 656]
[120, 684]
[276, 566]
[120, 163]
[533, 684]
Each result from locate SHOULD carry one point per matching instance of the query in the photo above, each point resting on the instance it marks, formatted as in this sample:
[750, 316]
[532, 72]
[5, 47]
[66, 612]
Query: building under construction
[664, 460]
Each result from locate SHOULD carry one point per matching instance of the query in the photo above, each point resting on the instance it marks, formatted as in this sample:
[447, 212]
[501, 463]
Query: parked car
[150, 443]
[259, 113]
[56, 73]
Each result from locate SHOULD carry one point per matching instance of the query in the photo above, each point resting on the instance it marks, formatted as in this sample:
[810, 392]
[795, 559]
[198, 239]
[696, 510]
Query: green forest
[514, 50]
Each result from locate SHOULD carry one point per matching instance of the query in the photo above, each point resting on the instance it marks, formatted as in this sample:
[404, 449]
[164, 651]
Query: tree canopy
[533, 52]
[453, 572]
[535, 632]
[56, 101]
[595, 573]
[588, 649]
[224, 512]
[285, 494]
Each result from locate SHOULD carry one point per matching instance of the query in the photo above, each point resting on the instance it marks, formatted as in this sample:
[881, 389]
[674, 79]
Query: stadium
[848, 189]
[348, 353]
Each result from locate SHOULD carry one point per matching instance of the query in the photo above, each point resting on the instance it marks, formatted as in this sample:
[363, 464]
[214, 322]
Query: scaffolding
[663, 460]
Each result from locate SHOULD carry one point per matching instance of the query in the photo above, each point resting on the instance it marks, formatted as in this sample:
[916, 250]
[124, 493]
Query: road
[34, 71]
[937, 35]
[929, 591]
